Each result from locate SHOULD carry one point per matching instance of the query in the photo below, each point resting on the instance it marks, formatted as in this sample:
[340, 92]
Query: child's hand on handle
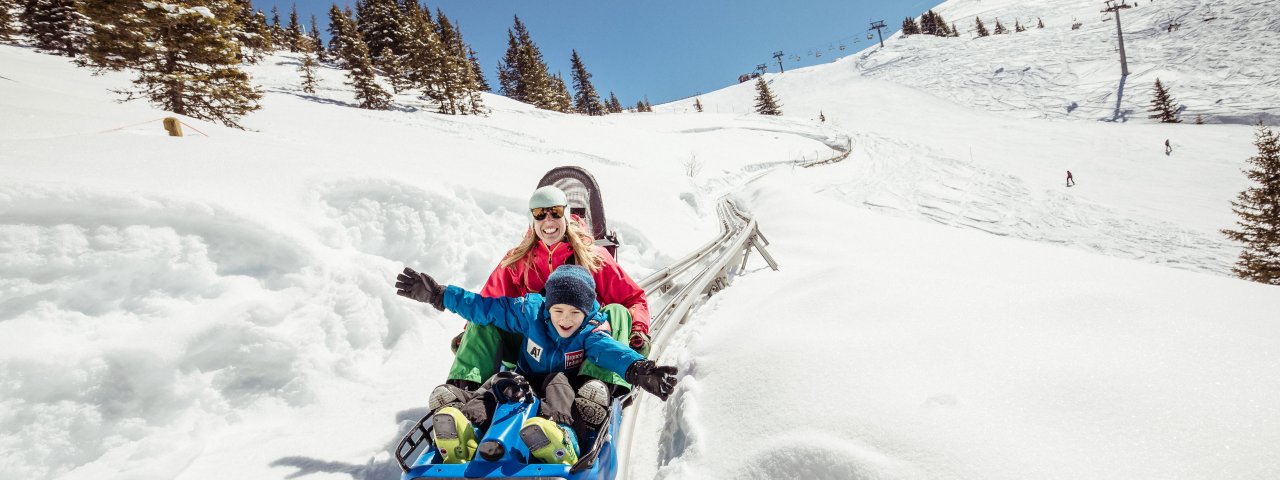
[420, 287]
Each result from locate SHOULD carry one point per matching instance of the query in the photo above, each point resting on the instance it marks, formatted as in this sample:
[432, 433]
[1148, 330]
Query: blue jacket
[544, 351]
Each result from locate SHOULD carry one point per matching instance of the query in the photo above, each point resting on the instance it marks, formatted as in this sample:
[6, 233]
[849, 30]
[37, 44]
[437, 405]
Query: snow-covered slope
[1219, 62]
[220, 306]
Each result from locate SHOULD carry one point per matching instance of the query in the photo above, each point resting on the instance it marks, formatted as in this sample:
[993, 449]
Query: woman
[554, 238]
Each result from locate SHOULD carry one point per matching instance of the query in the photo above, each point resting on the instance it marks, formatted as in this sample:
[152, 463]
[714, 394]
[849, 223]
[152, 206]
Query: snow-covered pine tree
[585, 99]
[1039, 22]
[1162, 106]
[1017, 26]
[6, 20]
[821, 117]
[697, 104]
[252, 35]
[341, 31]
[186, 60]
[648, 107]
[460, 87]
[378, 22]
[277, 32]
[614, 105]
[766, 104]
[293, 33]
[639, 106]
[362, 78]
[423, 51]
[1259, 210]
[308, 70]
[563, 101]
[955, 30]
[56, 26]
[117, 35]
[982, 29]
[1000, 30]
[391, 68]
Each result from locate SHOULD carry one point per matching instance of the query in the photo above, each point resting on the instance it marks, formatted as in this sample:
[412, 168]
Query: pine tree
[765, 103]
[361, 77]
[697, 104]
[308, 70]
[639, 106]
[982, 29]
[648, 107]
[822, 118]
[1017, 26]
[253, 36]
[1163, 107]
[481, 81]
[6, 20]
[117, 35]
[315, 43]
[56, 26]
[614, 105]
[586, 100]
[390, 65]
[424, 54]
[277, 32]
[1039, 22]
[378, 22]
[293, 34]
[1199, 119]
[185, 55]
[522, 74]
[341, 32]
[1259, 210]
[1000, 30]
[955, 30]
[909, 26]
[563, 101]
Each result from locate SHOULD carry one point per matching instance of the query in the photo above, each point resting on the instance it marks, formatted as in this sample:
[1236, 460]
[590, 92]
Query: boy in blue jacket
[561, 330]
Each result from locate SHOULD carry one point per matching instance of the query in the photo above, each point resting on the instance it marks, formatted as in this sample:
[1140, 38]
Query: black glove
[420, 287]
[658, 380]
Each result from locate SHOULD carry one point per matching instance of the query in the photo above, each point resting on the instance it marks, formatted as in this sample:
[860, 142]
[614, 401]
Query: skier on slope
[563, 330]
[1070, 180]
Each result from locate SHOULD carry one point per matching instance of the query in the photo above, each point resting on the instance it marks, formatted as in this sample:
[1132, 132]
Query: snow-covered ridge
[1218, 60]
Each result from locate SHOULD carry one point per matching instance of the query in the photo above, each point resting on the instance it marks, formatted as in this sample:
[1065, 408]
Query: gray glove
[420, 287]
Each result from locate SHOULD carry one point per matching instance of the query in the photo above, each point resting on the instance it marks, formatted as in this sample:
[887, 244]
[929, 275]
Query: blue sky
[663, 49]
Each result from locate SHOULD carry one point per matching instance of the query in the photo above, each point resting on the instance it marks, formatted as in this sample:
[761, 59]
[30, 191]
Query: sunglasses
[556, 212]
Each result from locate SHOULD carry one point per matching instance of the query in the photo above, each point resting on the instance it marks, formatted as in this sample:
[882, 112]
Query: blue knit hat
[548, 196]
[572, 285]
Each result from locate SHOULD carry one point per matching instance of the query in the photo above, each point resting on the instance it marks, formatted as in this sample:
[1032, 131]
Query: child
[561, 330]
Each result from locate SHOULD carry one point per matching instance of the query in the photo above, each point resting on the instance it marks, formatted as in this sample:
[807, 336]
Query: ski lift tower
[762, 68]
[1114, 7]
[877, 26]
[778, 56]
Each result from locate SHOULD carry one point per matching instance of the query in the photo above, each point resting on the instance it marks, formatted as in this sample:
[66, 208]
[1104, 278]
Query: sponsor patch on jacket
[574, 359]
[534, 350]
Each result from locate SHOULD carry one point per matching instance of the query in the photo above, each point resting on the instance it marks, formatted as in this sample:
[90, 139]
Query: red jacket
[613, 285]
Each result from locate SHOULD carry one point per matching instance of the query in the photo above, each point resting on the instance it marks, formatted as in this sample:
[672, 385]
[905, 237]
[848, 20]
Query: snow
[220, 305]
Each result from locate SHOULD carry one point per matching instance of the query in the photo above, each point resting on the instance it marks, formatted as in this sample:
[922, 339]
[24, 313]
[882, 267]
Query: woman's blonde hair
[582, 243]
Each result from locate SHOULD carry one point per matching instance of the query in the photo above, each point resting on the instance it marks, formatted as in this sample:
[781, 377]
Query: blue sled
[600, 461]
